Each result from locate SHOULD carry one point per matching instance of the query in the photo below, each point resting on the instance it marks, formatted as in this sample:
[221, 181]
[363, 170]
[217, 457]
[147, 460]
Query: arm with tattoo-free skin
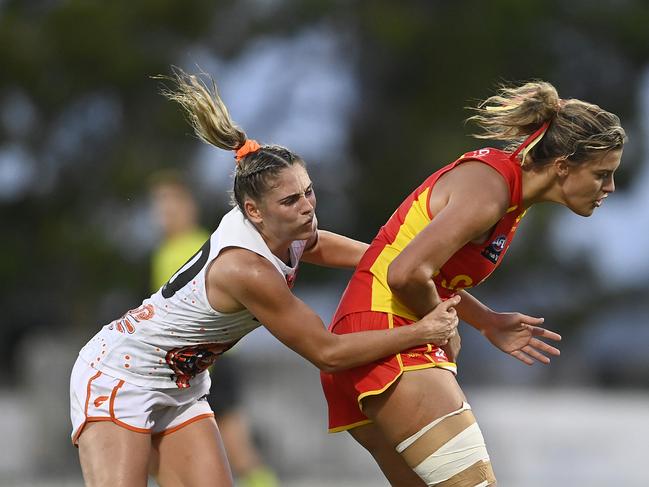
[245, 280]
[513, 333]
[333, 250]
[467, 202]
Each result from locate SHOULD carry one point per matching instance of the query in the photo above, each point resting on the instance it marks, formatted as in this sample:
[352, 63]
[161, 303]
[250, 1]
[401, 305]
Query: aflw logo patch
[495, 248]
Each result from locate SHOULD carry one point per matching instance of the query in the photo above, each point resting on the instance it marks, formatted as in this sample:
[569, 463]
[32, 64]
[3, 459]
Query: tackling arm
[256, 285]
[333, 250]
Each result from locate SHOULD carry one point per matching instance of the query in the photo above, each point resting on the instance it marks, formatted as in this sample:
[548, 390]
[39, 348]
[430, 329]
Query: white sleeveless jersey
[175, 335]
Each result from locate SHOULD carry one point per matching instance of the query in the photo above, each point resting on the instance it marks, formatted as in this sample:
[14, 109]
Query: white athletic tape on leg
[459, 453]
[449, 457]
[410, 440]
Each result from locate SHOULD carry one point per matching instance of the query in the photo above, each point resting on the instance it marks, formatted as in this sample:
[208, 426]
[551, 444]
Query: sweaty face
[585, 187]
[287, 210]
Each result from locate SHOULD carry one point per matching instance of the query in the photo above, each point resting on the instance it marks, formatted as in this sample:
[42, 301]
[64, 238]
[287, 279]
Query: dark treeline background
[83, 127]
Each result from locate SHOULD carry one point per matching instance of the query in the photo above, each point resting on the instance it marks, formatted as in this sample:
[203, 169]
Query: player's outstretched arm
[514, 333]
[334, 250]
[254, 283]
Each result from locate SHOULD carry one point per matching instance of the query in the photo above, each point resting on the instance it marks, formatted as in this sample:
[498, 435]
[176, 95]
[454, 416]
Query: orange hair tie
[248, 146]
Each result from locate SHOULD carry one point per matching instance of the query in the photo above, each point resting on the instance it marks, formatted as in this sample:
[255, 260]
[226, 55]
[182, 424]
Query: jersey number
[187, 272]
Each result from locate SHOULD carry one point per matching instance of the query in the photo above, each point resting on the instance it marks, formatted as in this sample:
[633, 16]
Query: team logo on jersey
[494, 249]
[187, 362]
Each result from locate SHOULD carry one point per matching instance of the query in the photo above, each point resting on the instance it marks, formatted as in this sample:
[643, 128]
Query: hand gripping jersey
[368, 289]
[175, 335]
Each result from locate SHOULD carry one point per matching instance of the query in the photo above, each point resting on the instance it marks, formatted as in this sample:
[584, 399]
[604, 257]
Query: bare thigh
[191, 456]
[112, 456]
[416, 399]
[238, 442]
[393, 466]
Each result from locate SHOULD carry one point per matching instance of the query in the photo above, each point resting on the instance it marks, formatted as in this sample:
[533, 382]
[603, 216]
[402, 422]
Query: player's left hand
[518, 335]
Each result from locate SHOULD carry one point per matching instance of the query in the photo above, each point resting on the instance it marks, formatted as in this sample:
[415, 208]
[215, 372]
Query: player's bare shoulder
[234, 271]
[475, 183]
[475, 176]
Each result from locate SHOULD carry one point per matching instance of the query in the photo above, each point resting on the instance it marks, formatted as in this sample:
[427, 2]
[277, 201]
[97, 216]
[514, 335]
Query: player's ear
[252, 211]
[561, 166]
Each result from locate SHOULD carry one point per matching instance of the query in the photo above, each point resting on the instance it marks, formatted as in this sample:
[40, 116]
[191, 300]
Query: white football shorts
[95, 396]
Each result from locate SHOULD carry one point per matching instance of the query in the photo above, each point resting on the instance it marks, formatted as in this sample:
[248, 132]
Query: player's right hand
[441, 323]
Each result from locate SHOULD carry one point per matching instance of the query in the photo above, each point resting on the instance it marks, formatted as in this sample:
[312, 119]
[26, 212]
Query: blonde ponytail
[205, 110]
[575, 129]
[516, 111]
[257, 165]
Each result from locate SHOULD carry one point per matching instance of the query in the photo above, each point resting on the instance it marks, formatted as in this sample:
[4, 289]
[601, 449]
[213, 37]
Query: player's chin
[584, 211]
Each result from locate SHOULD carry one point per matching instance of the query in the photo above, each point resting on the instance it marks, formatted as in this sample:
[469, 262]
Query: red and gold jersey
[368, 289]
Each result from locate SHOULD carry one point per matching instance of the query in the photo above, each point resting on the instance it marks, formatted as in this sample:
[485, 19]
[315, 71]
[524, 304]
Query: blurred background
[373, 96]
